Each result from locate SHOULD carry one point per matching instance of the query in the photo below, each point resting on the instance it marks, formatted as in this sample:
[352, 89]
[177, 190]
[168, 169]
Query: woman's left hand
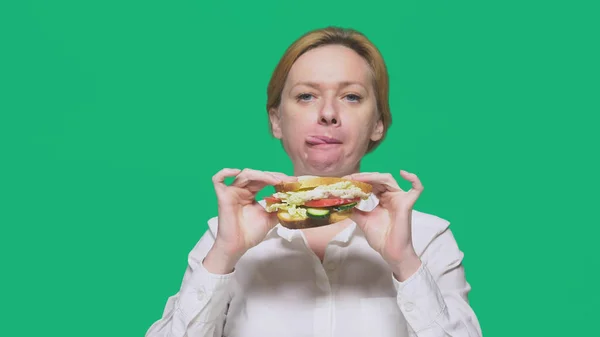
[388, 227]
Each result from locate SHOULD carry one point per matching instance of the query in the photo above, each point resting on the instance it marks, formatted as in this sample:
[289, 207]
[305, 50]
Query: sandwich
[316, 201]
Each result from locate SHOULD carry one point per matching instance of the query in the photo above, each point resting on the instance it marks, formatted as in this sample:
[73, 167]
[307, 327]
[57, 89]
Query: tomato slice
[272, 200]
[329, 202]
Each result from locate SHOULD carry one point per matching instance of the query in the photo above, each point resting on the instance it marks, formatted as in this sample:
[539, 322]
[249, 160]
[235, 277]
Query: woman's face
[327, 115]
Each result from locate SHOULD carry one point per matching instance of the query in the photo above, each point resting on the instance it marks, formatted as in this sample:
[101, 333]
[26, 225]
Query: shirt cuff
[419, 298]
[204, 297]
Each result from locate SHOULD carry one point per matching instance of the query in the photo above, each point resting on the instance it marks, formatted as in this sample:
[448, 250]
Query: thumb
[360, 217]
[273, 219]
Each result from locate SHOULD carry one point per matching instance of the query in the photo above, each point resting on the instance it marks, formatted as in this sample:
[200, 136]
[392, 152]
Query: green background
[114, 115]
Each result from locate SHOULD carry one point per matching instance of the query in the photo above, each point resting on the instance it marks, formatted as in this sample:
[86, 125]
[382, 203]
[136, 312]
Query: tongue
[315, 141]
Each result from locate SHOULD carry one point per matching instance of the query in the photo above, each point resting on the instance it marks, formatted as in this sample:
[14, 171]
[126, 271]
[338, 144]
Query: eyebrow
[317, 85]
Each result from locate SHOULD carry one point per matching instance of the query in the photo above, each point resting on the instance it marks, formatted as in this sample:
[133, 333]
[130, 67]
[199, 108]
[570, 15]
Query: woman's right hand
[243, 222]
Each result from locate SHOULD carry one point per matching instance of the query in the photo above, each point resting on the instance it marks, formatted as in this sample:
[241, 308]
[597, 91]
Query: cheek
[295, 120]
[294, 127]
[361, 126]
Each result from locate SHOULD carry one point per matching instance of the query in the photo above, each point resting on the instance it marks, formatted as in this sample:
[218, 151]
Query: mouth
[322, 140]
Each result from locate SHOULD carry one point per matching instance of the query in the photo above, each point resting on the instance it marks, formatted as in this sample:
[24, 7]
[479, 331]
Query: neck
[303, 171]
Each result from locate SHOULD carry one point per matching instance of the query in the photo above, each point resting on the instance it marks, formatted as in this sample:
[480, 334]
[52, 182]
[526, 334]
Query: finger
[417, 186]
[273, 220]
[219, 177]
[354, 175]
[282, 176]
[381, 182]
[248, 176]
[359, 217]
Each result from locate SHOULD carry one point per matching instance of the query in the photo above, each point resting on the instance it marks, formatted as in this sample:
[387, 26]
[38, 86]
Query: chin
[327, 168]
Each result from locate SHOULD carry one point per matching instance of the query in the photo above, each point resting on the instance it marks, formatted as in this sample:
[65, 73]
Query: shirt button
[409, 307]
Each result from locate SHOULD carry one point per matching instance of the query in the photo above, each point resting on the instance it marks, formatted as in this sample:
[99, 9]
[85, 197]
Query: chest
[318, 239]
[284, 290]
[318, 247]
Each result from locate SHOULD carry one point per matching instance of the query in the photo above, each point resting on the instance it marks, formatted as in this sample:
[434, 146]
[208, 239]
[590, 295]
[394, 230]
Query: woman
[387, 271]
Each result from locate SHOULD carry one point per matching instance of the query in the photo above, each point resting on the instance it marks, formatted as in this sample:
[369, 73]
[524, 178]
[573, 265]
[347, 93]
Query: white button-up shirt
[281, 288]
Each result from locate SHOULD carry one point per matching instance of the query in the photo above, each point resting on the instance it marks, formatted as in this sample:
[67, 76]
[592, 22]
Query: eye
[304, 97]
[353, 98]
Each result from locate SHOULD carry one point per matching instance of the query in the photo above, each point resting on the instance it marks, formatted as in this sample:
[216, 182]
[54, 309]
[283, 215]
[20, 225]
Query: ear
[377, 133]
[275, 119]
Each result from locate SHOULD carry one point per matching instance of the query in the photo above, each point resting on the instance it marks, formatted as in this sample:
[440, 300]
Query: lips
[320, 140]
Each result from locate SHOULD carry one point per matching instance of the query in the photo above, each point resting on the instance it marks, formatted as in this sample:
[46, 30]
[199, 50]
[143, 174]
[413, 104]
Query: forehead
[330, 65]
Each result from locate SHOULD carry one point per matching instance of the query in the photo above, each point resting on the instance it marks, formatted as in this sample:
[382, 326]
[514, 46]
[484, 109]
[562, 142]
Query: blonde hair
[341, 36]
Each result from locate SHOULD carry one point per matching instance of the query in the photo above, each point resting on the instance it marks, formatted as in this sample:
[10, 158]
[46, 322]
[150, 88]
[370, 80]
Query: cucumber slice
[317, 212]
[345, 207]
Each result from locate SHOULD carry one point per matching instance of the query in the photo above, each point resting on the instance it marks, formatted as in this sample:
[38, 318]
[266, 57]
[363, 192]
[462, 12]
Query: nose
[329, 115]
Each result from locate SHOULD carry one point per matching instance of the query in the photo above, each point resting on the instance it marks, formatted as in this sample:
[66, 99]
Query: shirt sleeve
[434, 300]
[199, 307]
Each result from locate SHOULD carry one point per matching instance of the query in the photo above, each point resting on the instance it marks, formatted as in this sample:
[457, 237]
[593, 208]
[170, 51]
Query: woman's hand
[243, 222]
[388, 227]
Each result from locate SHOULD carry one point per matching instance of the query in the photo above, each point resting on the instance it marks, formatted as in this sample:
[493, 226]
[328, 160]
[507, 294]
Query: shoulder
[426, 228]
[430, 221]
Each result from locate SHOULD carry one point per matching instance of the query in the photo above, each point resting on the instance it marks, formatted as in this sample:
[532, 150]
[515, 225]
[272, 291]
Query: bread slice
[299, 223]
[339, 216]
[312, 182]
